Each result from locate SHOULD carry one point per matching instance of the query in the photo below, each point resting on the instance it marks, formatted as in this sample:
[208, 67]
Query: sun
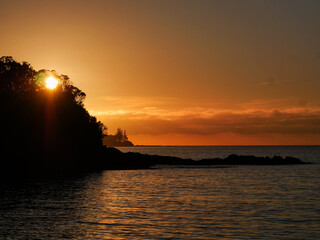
[51, 83]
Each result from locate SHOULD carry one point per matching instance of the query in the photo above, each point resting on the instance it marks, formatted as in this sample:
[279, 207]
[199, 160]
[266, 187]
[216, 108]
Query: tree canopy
[41, 127]
[120, 139]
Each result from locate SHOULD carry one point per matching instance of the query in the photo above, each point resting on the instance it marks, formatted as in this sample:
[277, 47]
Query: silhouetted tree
[42, 128]
[119, 139]
[14, 76]
[125, 137]
[119, 135]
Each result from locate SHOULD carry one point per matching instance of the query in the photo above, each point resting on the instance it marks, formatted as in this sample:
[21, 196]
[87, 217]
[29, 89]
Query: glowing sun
[51, 83]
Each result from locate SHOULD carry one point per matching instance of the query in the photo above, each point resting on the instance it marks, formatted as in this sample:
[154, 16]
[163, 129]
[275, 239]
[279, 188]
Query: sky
[181, 72]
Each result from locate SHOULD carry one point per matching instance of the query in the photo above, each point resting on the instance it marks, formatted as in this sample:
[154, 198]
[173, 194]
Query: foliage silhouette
[119, 139]
[42, 128]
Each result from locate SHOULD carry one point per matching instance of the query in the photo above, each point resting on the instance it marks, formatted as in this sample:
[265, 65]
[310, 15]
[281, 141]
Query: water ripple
[246, 202]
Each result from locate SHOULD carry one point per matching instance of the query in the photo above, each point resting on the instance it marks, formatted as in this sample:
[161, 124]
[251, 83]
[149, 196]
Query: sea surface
[229, 202]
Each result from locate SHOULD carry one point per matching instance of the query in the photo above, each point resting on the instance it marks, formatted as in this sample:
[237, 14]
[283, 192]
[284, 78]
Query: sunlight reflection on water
[247, 202]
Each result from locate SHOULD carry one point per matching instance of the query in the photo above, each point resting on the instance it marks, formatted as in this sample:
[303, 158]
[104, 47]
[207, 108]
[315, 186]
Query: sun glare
[51, 83]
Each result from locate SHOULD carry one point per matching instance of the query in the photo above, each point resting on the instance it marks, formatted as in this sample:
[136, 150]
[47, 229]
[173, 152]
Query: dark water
[238, 202]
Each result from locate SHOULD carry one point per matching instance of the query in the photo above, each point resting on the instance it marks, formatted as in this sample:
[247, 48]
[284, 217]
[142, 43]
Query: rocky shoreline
[133, 160]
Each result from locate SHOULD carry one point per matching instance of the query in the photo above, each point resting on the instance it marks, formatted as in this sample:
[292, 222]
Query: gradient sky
[181, 72]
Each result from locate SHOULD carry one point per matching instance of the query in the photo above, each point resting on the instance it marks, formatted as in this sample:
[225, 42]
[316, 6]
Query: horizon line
[237, 145]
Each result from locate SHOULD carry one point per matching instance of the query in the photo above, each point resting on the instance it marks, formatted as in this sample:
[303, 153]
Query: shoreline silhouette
[46, 130]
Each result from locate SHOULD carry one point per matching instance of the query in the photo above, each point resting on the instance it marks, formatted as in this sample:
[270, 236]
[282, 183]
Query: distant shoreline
[220, 146]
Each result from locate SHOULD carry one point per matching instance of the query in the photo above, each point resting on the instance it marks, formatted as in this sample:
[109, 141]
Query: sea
[219, 202]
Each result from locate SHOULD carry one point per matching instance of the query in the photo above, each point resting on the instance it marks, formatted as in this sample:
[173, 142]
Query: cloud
[165, 116]
[137, 102]
[209, 122]
[268, 82]
[283, 104]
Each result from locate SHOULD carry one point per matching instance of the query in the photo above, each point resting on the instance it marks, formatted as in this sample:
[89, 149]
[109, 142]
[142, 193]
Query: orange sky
[181, 72]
